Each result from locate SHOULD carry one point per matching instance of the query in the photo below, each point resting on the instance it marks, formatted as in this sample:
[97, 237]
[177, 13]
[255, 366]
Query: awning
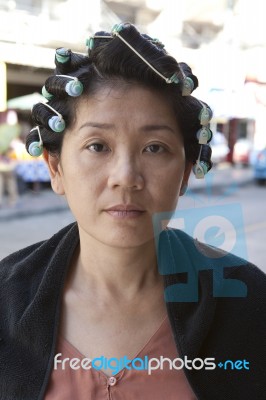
[25, 102]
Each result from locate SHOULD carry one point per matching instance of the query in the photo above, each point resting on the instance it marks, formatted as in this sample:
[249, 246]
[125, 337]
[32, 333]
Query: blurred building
[30, 30]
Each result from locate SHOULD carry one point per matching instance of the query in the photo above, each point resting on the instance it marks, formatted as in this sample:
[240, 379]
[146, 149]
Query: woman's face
[124, 151]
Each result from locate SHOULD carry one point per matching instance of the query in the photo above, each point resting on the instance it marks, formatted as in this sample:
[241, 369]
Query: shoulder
[25, 265]
[31, 278]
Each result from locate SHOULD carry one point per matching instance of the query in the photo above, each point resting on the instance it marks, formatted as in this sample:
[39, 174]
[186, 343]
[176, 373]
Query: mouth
[125, 211]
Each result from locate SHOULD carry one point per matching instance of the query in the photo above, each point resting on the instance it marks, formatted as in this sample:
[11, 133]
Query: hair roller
[203, 163]
[205, 114]
[68, 62]
[56, 86]
[46, 94]
[74, 88]
[62, 55]
[187, 87]
[62, 85]
[100, 38]
[190, 80]
[35, 149]
[200, 169]
[44, 117]
[56, 123]
[204, 135]
[205, 155]
[34, 144]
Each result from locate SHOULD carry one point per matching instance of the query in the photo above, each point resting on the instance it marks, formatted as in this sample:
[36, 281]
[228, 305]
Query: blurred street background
[224, 41]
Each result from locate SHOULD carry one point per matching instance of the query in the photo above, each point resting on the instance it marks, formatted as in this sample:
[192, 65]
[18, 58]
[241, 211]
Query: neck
[115, 272]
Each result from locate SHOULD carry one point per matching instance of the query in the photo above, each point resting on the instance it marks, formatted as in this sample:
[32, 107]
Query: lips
[125, 211]
[125, 207]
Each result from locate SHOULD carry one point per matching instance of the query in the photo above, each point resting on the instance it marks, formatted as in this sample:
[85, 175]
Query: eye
[155, 148]
[97, 148]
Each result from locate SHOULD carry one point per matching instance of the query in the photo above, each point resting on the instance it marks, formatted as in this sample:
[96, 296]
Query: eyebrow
[96, 125]
[149, 128]
[144, 128]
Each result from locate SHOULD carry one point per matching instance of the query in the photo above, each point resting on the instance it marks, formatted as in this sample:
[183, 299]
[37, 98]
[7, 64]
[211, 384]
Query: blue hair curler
[173, 79]
[56, 123]
[74, 88]
[205, 115]
[90, 43]
[188, 86]
[117, 28]
[204, 135]
[200, 169]
[62, 55]
[35, 149]
[46, 94]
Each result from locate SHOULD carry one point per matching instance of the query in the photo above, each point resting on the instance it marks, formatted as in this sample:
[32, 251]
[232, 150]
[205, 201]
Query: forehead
[126, 102]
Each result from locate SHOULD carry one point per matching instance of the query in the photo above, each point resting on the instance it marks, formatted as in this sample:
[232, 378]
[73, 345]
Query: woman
[120, 133]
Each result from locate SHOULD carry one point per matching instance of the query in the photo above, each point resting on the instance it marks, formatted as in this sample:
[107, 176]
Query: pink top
[93, 384]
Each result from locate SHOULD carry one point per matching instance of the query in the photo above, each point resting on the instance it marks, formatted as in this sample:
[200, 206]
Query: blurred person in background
[8, 178]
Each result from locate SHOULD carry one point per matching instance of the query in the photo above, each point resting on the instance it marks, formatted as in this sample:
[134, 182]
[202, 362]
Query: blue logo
[232, 365]
[201, 239]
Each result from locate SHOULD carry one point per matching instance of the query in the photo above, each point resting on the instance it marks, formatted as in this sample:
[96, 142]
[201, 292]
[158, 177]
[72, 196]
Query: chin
[125, 238]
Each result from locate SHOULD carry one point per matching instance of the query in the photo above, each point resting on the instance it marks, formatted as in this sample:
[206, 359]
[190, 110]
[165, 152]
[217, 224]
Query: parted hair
[110, 63]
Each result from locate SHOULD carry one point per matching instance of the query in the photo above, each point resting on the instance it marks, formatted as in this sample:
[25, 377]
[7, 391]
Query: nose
[125, 172]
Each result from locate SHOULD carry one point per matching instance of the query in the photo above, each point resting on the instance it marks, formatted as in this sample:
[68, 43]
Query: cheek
[83, 182]
[165, 185]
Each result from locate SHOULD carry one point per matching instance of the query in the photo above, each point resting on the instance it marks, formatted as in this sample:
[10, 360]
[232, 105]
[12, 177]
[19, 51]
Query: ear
[55, 171]
[184, 185]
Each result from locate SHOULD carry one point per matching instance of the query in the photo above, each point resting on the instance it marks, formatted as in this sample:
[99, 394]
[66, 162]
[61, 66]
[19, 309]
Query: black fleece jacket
[207, 319]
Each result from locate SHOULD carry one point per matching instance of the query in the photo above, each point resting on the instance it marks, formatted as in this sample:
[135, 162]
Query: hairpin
[35, 149]
[56, 123]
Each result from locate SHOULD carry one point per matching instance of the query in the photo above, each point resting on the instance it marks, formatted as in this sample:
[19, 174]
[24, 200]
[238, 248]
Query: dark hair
[111, 61]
